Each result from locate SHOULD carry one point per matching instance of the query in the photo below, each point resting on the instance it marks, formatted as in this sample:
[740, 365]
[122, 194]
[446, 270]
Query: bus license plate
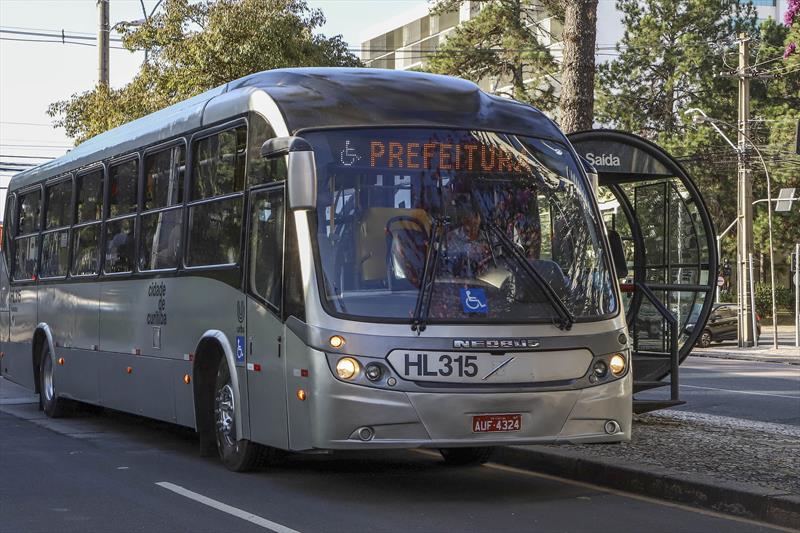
[496, 423]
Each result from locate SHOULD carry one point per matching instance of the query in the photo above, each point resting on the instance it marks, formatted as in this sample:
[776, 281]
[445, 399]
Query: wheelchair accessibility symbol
[240, 349]
[474, 301]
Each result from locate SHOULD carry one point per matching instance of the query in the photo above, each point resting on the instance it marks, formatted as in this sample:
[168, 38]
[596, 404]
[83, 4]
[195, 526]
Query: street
[113, 472]
[764, 392]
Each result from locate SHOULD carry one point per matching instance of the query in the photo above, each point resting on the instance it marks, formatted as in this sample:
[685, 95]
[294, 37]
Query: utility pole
[744, 199]
[102, 42]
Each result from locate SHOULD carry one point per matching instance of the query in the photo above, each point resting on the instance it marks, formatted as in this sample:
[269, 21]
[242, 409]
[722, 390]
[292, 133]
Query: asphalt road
[764, 392]
[110, 472]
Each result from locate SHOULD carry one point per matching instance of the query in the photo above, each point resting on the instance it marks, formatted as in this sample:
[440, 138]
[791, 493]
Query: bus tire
[466, 456]
[237, 455]
[51, 404]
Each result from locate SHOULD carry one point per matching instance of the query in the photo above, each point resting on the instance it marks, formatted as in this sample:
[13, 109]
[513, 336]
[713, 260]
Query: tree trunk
[576, 106]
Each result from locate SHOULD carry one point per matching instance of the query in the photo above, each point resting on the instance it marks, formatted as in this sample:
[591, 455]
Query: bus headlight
[617, 364]
[347, 368]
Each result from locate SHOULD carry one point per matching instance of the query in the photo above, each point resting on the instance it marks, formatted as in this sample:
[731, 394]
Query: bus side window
[8, 228]
[266, 245]
[218, 163]
[215, 226]
[162, 221]
[260, 170]
[27, 239]
[86, 234]
[55, 237]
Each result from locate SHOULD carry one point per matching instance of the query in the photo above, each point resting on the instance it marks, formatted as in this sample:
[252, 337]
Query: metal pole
[745, 193]
[753, 302]
[102, 42]
[796, 281]
[739, 298]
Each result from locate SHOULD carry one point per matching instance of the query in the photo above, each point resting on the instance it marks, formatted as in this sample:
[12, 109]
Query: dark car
[722, 325]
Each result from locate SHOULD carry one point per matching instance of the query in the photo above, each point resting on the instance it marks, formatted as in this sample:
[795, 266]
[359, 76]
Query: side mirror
[618, 254]
[302, 169]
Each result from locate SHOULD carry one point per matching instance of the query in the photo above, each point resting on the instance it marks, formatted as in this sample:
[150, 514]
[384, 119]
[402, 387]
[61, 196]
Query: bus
[323, 259]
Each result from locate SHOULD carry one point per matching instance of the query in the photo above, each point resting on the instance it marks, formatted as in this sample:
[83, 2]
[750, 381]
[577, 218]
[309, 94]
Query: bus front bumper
[395, 419]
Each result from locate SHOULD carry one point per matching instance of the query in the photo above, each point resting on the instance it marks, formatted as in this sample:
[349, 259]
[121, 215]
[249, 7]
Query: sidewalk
[786, 352]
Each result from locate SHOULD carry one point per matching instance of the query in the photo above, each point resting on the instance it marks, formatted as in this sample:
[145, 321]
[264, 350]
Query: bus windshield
[463, 216]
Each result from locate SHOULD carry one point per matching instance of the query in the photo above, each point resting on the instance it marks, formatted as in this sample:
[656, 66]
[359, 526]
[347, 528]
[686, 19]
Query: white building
[405, 40]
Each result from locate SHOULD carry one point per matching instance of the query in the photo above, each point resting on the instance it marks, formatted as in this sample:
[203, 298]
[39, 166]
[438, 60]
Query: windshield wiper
[428, 275]
[566, 319]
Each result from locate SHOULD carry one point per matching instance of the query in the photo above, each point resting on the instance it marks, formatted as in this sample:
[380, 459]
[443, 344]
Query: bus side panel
[122, 315]
[137, 384]
[183, 393]
[23, 319]
[299, 356]
[83, 301]
[77, 377]
[57, 310]
[4, 318]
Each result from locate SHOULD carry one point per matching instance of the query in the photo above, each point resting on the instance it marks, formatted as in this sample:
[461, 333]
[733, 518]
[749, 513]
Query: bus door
[266, 365]
[655, 207]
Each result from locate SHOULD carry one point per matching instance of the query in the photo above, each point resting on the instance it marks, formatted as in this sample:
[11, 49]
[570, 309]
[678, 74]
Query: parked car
[722, 325]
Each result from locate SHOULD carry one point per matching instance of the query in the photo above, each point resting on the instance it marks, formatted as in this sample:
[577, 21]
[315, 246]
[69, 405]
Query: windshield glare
[382, 192]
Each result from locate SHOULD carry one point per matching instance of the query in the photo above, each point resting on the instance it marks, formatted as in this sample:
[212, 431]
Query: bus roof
[311, 98]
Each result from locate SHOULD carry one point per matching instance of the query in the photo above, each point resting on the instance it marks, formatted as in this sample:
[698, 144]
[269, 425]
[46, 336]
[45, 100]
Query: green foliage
[194, 46]
[670, 59]
[500, 45]
[784, 299]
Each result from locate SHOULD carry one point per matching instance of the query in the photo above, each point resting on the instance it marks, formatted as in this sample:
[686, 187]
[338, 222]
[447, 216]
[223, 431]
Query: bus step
[646, 406]
[639, 386]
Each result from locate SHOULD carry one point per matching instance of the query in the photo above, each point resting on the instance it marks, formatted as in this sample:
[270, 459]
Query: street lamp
[699, 117]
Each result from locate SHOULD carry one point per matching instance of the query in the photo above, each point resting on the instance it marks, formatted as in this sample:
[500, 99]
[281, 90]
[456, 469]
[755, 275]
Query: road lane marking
[238, 513]
[752, 393]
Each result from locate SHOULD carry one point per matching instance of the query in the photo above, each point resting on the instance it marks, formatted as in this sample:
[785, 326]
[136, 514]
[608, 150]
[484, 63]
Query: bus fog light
[373, 372]
[600, 369]
[611, 427]
[365, 433]
[617, 364]
[347, 368]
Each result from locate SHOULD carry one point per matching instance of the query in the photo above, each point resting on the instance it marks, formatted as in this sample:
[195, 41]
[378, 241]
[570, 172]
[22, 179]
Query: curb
[757, 359]
[740, 499]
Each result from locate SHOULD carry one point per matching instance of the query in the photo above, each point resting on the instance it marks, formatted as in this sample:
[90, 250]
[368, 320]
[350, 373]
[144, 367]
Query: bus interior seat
[372, 236]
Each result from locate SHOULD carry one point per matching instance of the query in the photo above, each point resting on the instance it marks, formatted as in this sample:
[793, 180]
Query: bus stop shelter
[649, 199]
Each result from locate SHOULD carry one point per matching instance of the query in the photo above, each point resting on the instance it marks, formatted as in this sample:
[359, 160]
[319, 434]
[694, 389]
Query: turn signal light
[347, 368]
[301, 395]
[129, 370]
[60, 360]
[187, 378]
[337, 341]
[617, 364]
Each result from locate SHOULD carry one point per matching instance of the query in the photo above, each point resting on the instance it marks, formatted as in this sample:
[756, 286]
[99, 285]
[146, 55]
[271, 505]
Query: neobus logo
[495, 343]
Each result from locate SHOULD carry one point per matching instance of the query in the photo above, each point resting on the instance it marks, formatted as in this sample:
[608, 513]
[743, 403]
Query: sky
[35, 74]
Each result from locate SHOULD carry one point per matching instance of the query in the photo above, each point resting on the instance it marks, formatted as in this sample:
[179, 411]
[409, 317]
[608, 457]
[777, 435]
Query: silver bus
[323, 259]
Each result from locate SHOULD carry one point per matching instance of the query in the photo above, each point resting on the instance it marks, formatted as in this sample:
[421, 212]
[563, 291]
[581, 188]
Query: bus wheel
[705, 339]
[51, 404]
[236, 455]
[466, 456]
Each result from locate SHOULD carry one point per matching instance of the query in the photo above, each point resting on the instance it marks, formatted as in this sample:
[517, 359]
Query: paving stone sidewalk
[729, 449]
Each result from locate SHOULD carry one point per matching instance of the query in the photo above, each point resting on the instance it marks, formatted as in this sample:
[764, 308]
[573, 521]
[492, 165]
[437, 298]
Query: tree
[670, 59]
[195, 46]
[576, 101]
[501, 45]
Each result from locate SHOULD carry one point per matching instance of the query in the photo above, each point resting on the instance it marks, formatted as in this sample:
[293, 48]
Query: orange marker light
[60, 360]
[337, 341]
[301, 395]
[187, 378]
[129, 370]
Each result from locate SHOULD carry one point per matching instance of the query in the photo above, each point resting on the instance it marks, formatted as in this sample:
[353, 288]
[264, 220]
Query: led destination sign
[464, 156]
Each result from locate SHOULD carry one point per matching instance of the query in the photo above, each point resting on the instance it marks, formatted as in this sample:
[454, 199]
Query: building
[404, 41]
